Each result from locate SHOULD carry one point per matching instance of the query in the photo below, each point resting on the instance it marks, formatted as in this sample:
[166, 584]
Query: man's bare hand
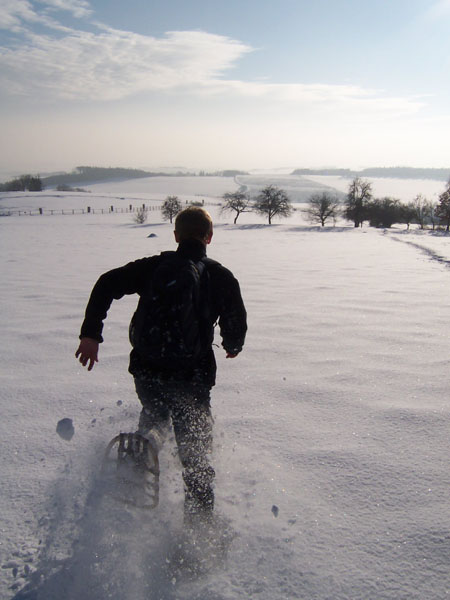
[87, 352]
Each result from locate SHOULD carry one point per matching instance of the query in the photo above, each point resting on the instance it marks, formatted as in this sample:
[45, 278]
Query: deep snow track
[96, 548]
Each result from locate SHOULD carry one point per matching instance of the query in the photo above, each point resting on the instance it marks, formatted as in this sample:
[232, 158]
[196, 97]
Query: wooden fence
[77, 211]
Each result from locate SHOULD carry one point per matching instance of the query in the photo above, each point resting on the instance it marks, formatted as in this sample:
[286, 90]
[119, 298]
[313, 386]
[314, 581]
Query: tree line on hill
[24, 183]
[394, 172]
[358, 207]
[86, 175]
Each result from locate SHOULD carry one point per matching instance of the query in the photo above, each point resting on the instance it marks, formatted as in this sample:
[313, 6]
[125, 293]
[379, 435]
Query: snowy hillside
[300, 188]
[331, 428]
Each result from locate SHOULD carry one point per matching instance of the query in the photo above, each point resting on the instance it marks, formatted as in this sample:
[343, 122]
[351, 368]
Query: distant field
[211, 187]
[403, 189]
[153, 190]
[300, 188]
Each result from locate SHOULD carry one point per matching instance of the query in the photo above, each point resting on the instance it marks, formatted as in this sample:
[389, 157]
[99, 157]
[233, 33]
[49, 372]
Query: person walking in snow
[182, 295]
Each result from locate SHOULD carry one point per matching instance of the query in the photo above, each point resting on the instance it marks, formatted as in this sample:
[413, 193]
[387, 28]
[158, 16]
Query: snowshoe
[135, 469]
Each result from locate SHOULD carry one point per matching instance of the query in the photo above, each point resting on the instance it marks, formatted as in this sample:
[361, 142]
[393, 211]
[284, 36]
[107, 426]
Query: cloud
[111, 64]
[14, 12]
[79, 8]
[115, 64]
[319, 96]
[18, 15]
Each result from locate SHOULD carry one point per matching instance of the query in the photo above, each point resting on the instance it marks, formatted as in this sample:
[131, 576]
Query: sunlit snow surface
[331, 428]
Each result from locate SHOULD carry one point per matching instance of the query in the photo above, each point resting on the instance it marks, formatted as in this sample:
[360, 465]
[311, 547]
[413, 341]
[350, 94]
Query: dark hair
[193, 223]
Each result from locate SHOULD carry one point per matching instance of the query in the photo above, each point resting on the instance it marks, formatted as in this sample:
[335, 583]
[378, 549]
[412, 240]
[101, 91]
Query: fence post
[112, 208]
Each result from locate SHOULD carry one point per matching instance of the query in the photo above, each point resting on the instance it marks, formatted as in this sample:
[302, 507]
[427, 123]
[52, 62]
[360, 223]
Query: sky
[203, 84]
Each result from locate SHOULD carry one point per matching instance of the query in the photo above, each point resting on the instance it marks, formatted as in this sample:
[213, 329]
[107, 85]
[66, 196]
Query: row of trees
[23, 183]
[361, 206]
[271, 202]
[358, 207]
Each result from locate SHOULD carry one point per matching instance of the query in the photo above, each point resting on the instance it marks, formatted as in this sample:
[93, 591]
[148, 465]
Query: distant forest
[86, 175]
[394, 172]
[92, 174]
[89, 175]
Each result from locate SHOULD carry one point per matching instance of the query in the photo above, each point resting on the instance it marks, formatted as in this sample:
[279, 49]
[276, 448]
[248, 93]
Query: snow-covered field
[164, 186]
[148, 190]
[299, 189]
[403, 189]
[331, 428]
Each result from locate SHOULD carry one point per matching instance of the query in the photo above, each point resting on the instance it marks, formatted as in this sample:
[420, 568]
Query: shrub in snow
[140, 216]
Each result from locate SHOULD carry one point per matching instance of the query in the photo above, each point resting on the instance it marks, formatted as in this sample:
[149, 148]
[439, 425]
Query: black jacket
[226, 308]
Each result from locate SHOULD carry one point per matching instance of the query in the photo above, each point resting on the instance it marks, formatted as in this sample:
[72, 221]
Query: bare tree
[237, 202]
[273, 202]
[322, 206]
[422, 210]
[434, 220]
[442, 211]
[170, 208]
[358, 196]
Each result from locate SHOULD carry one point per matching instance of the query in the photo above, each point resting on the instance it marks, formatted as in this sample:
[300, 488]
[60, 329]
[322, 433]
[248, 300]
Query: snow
[298, 189]
[331, 428]
[169, 186]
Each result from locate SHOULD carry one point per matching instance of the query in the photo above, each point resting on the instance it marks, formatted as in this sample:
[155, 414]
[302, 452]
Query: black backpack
[168, 327]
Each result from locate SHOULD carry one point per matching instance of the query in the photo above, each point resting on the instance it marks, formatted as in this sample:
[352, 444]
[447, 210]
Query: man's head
[193, 223]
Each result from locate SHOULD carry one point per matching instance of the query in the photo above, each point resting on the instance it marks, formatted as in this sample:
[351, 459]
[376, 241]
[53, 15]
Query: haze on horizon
[213, 85]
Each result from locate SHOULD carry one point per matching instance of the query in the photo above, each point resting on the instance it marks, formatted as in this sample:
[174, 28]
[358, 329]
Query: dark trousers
[188, 407]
